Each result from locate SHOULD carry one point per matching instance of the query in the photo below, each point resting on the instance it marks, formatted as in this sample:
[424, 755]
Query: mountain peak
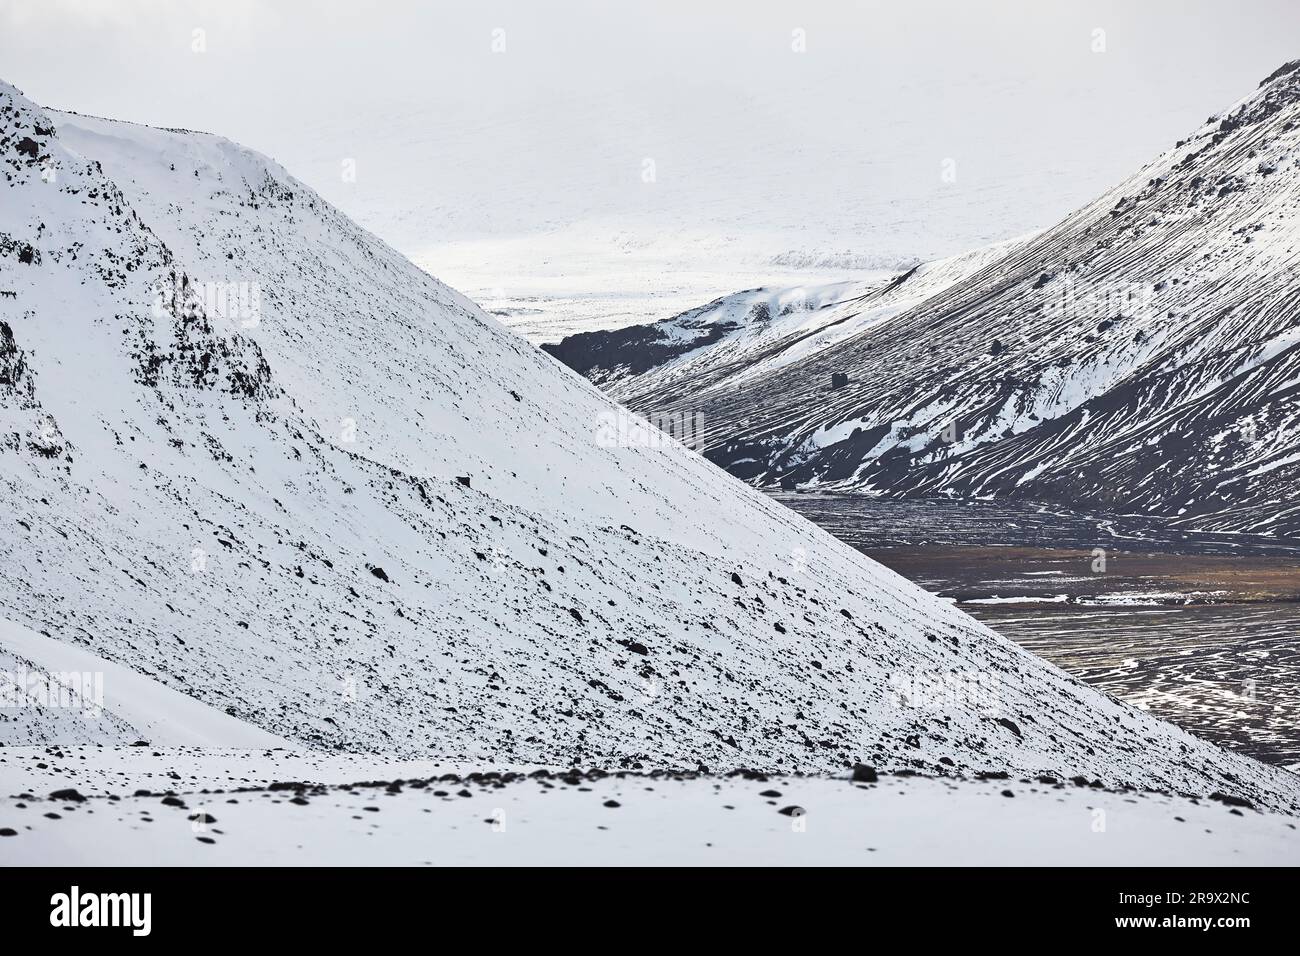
[1141, 354]
[269, 407]
[1290, 71]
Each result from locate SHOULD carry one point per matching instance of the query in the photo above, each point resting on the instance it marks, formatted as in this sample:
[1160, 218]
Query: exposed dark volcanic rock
[1143, 355]
[630, 351]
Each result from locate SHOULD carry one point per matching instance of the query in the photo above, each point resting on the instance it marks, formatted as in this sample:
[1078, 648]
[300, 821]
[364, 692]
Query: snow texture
[254, 456]
[211, 808]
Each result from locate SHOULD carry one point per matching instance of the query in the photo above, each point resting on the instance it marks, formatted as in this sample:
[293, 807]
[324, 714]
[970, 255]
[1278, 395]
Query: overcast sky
[831, 120]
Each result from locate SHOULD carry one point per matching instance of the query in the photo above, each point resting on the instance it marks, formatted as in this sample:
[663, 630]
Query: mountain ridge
[1141, 355]
[353, 510]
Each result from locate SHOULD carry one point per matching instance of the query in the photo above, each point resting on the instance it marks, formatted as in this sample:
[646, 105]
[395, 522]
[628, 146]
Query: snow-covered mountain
[256, 457]
[741, 337]
[1143, 355]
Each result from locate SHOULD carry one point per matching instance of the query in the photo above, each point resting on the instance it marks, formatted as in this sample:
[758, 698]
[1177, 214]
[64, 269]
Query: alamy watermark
[621, 429]
[939, 691]
[74, 908]
[62, 690]
[1099, 302]
[236, 304]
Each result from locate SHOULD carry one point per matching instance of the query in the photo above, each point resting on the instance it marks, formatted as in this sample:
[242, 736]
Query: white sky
[836, 148]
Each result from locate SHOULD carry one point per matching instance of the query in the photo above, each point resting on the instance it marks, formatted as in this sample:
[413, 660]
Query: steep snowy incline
[255, 455]
[1142, 355]
[61, 691]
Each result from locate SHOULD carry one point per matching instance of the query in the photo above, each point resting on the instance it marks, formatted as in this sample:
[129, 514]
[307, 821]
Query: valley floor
[1198, 628]
[212, 807]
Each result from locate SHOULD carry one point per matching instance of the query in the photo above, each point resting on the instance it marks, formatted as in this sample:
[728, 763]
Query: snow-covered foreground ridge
[257, 503]
[1144, 354]
[139, 806]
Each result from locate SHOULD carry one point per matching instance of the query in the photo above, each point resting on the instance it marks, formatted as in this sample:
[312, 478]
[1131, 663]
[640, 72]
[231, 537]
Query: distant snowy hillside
[1143, 355]
[743, 336]
[255, 456]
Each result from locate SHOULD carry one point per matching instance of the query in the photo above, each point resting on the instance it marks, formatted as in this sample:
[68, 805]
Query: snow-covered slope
[57, 691]
[741, 337]
[349, 508]
[1142, 355]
